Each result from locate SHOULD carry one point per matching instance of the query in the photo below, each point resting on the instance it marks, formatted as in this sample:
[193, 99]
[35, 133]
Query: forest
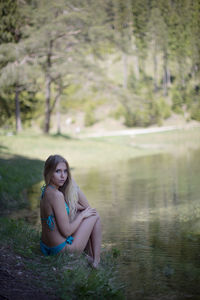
[142, 57]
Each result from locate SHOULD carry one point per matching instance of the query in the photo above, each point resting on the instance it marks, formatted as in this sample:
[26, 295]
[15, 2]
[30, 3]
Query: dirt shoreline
[19, 283]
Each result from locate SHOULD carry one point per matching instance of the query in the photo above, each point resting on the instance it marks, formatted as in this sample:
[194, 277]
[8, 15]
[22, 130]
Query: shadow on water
[17, 174]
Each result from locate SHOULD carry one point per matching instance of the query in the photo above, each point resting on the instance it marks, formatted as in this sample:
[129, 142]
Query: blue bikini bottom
[55, 250]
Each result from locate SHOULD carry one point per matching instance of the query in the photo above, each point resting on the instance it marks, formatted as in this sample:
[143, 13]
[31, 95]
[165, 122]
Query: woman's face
[59, 175]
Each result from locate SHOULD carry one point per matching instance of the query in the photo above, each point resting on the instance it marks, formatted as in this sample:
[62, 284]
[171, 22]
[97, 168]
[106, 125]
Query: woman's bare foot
[89, 259]
[95, 264]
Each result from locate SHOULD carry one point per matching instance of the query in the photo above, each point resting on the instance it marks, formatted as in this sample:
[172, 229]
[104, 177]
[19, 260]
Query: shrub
[164, 108]
[177, 101]
[195, 113]
[137, 118]
[159, 110]
[119, 112]
[151, 113]
[89, 118]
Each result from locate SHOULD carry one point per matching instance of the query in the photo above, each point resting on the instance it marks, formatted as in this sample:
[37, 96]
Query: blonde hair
[69, 189]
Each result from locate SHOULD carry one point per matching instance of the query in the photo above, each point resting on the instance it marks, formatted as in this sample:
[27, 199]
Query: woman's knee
[93, 218]
[98, 216]
[98, 219]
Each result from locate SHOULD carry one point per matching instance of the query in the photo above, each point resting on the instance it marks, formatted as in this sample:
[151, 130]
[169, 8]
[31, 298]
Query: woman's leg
[89, 251]
[89, 227]
[95, 238]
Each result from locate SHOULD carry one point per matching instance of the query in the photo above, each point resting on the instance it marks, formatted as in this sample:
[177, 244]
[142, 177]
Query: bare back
[52, 204]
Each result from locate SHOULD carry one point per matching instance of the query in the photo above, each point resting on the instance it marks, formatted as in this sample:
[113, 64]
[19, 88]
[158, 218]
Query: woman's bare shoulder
[54, 194]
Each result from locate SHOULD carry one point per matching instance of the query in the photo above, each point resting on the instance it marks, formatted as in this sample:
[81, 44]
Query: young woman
[68, 222]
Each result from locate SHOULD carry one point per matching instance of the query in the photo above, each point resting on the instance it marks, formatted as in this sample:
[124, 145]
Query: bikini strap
[67, 208]
[50, 221]
[43, 188]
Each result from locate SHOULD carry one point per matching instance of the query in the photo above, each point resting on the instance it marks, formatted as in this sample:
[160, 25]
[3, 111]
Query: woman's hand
[80, 207]
[88, 212]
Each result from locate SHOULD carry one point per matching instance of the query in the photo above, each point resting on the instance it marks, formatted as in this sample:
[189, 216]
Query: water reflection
[150, 211]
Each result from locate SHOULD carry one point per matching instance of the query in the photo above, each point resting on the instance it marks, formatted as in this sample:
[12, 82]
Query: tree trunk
[136, 68]
[165, 74]
[58, 115]
[155, 65]
[168, 77]
[47, 104]
[17, 111]
[48, 89]
[182, 73]
[136, 63]
[125, 70]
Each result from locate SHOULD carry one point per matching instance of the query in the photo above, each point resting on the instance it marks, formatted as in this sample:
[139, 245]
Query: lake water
[150, 210]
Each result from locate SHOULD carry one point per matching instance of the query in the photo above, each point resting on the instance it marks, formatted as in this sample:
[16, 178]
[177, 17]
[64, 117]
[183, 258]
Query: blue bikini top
[50, 219]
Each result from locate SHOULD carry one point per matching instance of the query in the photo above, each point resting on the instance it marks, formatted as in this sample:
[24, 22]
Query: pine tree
[58, 34]
[140, 16]
[194, 36]
[10, 23]
[158, 39]
[17, 75]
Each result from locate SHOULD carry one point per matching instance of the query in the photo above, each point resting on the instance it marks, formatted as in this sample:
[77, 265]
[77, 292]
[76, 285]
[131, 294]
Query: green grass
[69, 275]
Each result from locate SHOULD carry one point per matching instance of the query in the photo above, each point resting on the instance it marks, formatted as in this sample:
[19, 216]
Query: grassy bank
[66, 276]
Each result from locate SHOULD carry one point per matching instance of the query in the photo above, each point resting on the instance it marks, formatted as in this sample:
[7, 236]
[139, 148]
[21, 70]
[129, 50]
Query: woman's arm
[80, 207]
[82, 200]
[62, 220]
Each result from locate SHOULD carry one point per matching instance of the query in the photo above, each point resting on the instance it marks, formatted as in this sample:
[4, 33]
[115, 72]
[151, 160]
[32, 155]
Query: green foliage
[115, 252]
[119, 112]
[195, 112]
[177, 101]
[137, 118]
[9, 21]
[89, 116]
[159, 110]
[6, 108]
[75, 46]
[163, 108]
[90, 284]
[19, 236]
[152, 112]
[141, 13]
